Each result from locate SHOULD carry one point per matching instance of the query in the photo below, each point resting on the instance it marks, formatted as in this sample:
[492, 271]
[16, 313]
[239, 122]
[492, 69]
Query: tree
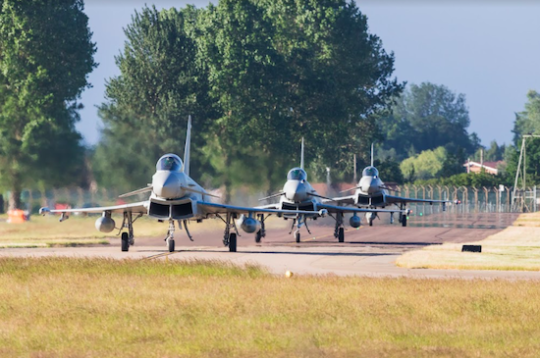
[287, 69]
[528, 121]
[492, 154]
[426, 165]
[425, 117]
[46, 54]
[159, 86]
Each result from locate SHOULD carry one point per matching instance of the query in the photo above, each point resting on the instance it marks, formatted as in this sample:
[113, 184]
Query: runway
[368, 251]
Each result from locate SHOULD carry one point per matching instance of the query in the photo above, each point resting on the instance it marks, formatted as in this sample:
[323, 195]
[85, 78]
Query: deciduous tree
[46, 53]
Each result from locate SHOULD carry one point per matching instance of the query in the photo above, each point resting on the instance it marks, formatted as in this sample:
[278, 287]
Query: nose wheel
[297, 236]
[170, 236]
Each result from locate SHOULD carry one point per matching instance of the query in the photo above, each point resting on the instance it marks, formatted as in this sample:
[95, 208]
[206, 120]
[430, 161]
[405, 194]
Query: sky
[487, 50]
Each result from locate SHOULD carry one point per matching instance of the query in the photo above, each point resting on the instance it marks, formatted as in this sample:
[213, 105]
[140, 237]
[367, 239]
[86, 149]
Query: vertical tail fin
[188, 146]
[371, 154]
[302, 155]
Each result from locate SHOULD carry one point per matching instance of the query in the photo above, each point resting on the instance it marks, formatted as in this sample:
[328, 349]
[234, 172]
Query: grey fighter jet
[372, 193]
[298, 194]
[176, 197]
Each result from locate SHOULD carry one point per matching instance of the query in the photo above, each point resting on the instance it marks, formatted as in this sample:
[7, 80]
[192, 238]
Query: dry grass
[515, 248]
[103, 308]
[43, 231]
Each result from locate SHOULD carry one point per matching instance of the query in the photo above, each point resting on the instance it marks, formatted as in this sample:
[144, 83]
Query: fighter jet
[175, 196]
[372, 193]
[298, 194]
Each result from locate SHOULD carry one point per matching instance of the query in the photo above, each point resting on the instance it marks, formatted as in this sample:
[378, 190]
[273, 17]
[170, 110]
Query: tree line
[256, 76]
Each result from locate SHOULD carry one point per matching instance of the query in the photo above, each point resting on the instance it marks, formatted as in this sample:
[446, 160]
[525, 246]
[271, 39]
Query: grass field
[43, 231]
[103, 308]
[515, 248]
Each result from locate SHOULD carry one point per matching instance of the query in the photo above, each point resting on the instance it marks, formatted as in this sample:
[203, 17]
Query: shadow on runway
[394, 243]
[162, 253]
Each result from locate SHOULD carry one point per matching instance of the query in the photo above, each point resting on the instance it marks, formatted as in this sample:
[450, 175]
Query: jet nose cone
[167, 186]
[296, 191]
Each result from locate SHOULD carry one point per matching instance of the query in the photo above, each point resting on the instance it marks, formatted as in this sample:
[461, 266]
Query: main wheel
[404, 221]
[232, 243]
[170, 244]
[258, 237]
[297, 236]
[125, 241]
[341, 235]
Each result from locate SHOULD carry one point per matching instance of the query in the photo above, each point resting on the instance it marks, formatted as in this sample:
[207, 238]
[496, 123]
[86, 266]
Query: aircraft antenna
[372, 154]
[302, 155]
[188, 146]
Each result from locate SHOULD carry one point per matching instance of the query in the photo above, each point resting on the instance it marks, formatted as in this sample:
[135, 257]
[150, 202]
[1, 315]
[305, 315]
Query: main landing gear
[262, 231]
[127, 238]
[402, 217]
[230, 238]
[339, 230]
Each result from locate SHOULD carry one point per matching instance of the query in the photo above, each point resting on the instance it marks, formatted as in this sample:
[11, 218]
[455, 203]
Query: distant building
[489, 167]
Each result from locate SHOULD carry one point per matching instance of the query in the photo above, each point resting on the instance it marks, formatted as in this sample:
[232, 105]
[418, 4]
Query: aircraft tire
[370, 222]
[232, 243]
[341, 235]
[297, 237]
[170, 244]
[404, 221]
[125, 241]
[258, 237]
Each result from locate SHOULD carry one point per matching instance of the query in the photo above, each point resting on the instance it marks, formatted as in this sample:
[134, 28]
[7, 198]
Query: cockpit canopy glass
[370, 172]
[169, 162]
[297, 174]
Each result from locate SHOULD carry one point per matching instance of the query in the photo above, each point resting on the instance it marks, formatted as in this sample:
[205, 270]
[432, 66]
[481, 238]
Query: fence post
[476, 210]
[508, 191]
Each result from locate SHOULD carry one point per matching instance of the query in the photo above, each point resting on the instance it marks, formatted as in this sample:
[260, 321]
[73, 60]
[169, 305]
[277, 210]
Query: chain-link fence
[471, 200]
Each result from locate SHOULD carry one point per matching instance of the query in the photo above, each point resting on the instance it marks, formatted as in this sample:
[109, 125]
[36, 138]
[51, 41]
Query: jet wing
[214, 208]
[333, 209]
[390, 199]
[138, 208]
[274, 206]
[350, 199]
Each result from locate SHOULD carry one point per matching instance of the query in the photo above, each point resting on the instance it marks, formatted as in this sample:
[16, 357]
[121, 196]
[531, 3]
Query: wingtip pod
[44, 211]
[188, 147]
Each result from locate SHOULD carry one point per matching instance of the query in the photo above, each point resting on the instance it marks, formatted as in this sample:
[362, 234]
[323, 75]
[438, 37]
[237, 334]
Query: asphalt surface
[367, 251]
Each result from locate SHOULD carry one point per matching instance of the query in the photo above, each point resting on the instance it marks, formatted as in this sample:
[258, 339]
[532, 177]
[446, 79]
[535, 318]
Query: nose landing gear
[170, 236]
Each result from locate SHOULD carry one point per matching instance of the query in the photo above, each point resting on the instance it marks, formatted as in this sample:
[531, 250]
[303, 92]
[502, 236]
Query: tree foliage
[426, 165]
[259, 75]
[46, 54]
[475, 180]
[425, 117]
[149, 103]
[526, 122]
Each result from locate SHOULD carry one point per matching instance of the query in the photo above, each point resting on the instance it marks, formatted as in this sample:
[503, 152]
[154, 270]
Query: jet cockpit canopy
[169, 162]
[370, 172]
[297, 174]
